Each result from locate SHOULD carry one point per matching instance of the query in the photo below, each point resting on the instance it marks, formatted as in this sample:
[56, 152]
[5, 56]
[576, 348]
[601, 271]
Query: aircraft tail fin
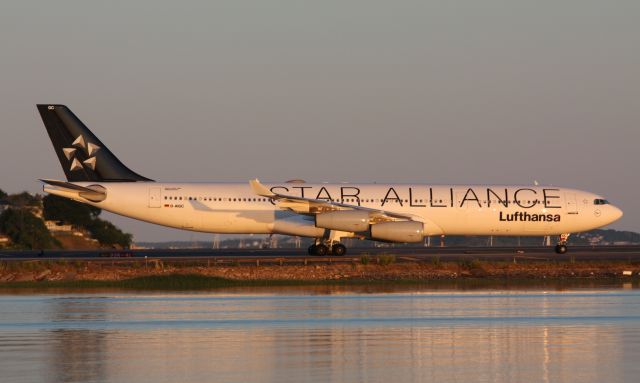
[82, 155]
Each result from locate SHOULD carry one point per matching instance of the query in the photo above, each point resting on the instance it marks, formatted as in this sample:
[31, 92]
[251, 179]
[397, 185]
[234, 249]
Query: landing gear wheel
[338, 249]
[561, 249]
[321, 250]
[312, 250]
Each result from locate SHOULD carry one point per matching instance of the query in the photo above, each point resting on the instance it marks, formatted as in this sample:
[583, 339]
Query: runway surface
[415, 254]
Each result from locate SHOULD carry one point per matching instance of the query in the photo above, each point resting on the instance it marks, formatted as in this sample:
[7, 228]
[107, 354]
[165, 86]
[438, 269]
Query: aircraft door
[154, 196]
[572, 206]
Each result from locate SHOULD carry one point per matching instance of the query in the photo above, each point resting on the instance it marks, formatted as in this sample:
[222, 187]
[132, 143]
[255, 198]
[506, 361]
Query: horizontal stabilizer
[93, 193]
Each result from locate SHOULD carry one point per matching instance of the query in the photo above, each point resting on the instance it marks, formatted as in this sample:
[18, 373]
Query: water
[306, 335]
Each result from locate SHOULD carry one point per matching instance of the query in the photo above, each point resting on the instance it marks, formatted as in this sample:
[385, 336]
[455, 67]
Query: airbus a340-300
[326, 212]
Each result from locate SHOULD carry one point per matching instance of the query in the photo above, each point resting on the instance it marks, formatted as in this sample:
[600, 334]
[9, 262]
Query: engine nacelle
[399, 231]
[297, 225]
[344, 220]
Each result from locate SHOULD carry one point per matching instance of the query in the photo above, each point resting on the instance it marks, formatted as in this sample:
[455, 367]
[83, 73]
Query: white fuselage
[444, 210]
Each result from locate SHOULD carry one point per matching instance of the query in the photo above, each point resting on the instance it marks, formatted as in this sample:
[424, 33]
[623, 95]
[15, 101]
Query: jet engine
[344, 220]
[399, 231]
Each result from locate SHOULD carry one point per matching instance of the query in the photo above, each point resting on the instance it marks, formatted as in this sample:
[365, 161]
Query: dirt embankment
[28, 271]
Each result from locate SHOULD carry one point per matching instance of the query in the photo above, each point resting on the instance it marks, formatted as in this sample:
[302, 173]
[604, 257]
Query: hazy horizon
[433, 92]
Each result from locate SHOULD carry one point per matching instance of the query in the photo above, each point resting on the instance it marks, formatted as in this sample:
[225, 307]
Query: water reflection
[76, 356]
[76, 353]
[497, 335]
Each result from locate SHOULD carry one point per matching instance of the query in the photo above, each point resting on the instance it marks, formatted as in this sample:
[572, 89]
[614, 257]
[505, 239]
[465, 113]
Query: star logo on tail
[89, 148]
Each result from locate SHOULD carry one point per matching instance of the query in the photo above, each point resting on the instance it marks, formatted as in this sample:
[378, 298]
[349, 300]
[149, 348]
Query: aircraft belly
[229, 222]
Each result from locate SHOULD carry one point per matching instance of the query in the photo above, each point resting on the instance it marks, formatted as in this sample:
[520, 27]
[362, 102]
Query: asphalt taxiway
[417, 254]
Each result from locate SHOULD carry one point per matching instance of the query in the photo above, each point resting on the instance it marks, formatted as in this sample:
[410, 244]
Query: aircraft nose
[615, 214]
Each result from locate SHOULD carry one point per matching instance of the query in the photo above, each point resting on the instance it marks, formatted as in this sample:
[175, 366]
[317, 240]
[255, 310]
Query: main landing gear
[329, 244]
[322, 249]
[561, 247]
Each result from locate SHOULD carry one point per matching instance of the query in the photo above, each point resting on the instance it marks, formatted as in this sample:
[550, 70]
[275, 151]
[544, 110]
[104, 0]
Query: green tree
[24, 199]
[108, 234]
[63, 209]
[26, 230]
[3, 195]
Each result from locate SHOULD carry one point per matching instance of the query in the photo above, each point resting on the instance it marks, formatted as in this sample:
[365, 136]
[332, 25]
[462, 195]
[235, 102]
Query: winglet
[260, 189]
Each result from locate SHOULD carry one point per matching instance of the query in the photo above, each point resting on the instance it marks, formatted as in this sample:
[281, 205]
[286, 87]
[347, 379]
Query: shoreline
[157, 274]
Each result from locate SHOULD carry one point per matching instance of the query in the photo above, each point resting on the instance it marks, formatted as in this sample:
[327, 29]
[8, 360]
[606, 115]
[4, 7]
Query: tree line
[28, 231]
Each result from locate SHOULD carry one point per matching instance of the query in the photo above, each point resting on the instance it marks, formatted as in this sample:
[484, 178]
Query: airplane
[324, 211]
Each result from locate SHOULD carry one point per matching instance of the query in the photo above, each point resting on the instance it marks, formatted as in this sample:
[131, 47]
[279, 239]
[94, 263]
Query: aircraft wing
[309, 206]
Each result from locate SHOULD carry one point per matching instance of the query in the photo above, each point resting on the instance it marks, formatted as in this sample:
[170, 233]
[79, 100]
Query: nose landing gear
[561, 247]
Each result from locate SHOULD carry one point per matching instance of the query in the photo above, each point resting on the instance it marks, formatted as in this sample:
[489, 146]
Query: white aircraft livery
[326, 212]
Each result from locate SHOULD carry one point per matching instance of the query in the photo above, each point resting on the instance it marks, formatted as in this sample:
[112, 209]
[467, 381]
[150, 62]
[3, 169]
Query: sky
[389, 91]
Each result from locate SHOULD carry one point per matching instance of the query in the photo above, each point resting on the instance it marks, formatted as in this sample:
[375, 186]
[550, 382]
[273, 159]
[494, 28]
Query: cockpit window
[598, 201]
